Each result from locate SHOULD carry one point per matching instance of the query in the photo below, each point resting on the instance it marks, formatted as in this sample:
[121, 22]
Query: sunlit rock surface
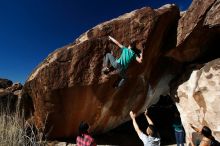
[200, 98]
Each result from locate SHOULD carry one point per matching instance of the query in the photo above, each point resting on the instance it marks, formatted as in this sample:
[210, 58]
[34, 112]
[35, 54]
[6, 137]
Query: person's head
[151, 131]
[206, 131]
[83, 128]
[132, 46]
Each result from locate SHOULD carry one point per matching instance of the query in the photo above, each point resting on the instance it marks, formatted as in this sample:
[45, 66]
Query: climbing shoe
[105, 70]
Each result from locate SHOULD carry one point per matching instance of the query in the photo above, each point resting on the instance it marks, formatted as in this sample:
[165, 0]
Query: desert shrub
[15, 131]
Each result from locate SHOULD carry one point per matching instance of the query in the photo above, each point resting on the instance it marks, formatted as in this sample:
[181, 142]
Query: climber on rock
[121, 64]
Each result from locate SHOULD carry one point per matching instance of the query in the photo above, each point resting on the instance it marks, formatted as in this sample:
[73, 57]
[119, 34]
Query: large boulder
[7, 101]
[200, 98]
[68, 86]
[198, 32]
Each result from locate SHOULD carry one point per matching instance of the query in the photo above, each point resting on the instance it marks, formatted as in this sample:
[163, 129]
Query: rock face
[68, 86]
[200, 98]
[198, 32]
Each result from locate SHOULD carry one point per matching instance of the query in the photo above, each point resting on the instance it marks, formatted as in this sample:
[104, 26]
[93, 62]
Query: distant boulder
[4, 83]
[15, 87]
[9, 96]
[8, 101]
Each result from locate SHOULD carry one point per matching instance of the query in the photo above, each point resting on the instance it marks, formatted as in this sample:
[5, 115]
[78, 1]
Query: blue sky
[31, 29]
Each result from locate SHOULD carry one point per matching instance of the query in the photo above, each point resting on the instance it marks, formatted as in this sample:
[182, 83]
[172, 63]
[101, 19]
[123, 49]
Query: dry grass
[16, 132]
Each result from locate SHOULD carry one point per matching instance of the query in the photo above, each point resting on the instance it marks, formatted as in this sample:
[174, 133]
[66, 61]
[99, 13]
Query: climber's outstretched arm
[115, 41]
[137, 129]
[150, 122]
